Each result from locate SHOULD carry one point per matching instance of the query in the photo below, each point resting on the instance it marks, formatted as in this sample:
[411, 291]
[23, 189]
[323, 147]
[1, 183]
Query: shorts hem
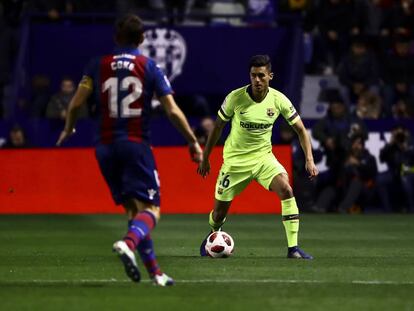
[124, 198]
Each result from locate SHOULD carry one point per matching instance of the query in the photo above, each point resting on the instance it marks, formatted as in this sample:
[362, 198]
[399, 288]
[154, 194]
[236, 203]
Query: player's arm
[80, 98]
[204, 167]
[178, 119]
[306, 147]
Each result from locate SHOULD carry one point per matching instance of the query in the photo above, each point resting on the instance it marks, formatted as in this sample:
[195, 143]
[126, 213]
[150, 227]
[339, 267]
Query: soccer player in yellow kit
[247, 153]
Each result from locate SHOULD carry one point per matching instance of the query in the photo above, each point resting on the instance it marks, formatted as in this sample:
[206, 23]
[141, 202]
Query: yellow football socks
[215, 226]
[290, 218]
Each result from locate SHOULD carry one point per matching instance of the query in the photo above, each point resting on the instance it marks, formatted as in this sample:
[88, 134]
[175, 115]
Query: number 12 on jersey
[126, 111]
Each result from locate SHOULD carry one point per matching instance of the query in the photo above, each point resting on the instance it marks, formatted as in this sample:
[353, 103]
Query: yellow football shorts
[231, 181]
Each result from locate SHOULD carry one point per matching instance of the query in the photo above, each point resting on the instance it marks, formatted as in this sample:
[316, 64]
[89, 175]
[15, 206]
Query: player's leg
[290, 215]
[139, 226]
[143, 219]
[273, 176]
[218, 215]
[141, 200]
[112, 170]
[216, 219]
[228, 185]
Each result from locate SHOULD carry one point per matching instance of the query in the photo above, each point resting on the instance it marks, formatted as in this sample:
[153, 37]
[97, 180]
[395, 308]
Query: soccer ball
[219, 245]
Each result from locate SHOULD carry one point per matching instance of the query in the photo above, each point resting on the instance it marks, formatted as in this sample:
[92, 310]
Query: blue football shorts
[130, 171]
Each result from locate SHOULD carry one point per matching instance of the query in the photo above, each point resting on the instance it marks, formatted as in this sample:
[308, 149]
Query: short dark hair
[129, 30]
[260, 61]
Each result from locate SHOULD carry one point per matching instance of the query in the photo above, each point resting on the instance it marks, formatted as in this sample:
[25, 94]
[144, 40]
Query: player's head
[357, 145]
[260, 72]
[67, 86]
[261, 61]
[129, 30]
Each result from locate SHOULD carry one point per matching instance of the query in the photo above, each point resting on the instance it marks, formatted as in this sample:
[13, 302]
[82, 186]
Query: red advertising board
[68, 181]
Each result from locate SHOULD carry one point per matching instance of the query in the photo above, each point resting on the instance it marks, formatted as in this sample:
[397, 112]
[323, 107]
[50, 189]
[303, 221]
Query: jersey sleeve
[287, 109]
[89, 74]
[162, 84]
[226, 110]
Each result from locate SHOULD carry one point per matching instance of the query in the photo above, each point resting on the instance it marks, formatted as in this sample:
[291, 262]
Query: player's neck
[257, 96]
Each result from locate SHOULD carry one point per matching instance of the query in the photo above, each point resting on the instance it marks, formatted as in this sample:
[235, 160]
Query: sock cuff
[290, 217]
[289, 207]
[215, 225]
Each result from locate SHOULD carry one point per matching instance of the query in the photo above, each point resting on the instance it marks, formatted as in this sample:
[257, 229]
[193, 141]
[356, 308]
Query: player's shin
[147, 254]
[290, 218]
[143, 223]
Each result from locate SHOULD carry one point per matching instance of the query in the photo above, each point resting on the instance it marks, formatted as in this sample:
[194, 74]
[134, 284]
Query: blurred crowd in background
[365, 46]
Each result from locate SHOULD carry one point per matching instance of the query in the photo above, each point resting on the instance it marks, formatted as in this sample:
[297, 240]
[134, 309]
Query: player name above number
[122, 64]
[130, 56]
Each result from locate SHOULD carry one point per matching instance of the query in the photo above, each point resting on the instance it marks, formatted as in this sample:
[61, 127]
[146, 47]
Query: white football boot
[162, 280]
[127, 257]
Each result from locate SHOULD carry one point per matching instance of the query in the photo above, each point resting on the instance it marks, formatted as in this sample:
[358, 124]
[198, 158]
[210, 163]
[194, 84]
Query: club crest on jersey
[220, 190]
[270, 112]
[168, 48]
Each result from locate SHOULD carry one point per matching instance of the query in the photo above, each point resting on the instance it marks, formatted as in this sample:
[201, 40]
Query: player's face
[260, 78]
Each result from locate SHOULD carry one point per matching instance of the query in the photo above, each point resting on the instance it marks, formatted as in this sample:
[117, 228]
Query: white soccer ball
[219, 245]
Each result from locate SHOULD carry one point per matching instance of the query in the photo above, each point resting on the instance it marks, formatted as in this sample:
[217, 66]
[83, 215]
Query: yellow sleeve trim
[223, 115]
[86, 82]
[293, 120]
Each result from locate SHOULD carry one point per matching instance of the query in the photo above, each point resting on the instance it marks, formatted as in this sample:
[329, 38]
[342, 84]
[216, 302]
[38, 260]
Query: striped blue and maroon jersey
[123, 85]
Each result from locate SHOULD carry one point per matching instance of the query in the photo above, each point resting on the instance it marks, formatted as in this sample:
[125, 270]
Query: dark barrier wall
[215, 58]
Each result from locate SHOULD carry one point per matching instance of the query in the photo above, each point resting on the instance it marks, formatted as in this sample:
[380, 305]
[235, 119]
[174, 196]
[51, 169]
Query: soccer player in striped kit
[123, 84]
[252, 111]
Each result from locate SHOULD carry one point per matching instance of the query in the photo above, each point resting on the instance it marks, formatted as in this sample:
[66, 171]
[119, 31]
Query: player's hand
[64, 135]
[204, 167]
[311, 169]
[196, 152]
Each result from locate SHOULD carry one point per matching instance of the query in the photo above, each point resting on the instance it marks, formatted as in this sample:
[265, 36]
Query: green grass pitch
[363, 262]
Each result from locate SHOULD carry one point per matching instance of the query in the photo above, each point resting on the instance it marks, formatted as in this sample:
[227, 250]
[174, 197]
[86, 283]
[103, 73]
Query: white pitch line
[229, 281]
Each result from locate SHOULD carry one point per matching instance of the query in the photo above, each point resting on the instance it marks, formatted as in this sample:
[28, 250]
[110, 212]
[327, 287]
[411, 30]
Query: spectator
[403, 109]
[333, 133]
[358, 70]
[40, 96]
[204, 129]
[53, 8]
[402, 18]
[398, 154]
[16, 139]
[369, 106]
[398, 73]
[58, 105]
[334, 21]
[305, 195]
[370, 17]
[313, 64]
[359, 177]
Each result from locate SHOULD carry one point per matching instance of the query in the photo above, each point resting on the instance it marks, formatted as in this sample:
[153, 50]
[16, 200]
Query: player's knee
[155, 211]
[286, 191]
